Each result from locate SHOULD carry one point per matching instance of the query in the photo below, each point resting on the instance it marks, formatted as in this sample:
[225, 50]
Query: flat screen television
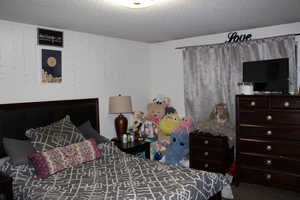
[268, 75]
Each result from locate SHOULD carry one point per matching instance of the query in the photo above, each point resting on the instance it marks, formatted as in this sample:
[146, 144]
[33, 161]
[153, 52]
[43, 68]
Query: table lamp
[119, 105]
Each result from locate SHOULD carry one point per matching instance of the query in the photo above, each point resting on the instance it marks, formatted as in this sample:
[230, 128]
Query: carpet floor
[257, 192]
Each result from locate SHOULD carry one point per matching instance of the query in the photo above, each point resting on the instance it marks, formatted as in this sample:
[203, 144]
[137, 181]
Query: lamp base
[121, 124]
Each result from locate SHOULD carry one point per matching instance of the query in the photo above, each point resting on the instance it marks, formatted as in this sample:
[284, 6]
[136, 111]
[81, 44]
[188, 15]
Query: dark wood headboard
[16, 118]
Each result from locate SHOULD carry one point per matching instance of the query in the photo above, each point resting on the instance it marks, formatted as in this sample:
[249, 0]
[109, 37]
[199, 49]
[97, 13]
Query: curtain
[212, 72]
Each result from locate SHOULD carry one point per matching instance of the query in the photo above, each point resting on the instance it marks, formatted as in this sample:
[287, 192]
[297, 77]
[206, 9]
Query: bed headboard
[16, 118]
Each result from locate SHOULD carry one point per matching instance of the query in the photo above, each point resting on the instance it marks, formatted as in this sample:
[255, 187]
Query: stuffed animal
[155, 112]
[219, 124]
[162, 142]
[161, 99]
[178, 148]
[185, 124]
[138, 120]
[220, 113]
[169, 123]
[149, 129]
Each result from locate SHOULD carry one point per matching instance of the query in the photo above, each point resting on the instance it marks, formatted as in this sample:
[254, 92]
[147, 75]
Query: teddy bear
[161, 99]
[138, 120]
[155, 112]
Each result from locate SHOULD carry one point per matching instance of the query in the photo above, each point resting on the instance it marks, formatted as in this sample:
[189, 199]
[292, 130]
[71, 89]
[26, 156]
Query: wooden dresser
[268, 140]
[209, 153]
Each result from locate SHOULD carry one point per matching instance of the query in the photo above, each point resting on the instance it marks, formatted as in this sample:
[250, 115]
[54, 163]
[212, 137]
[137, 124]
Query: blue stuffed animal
[178, 148]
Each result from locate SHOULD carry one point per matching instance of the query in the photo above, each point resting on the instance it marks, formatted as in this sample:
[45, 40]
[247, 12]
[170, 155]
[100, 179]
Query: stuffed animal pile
[168, 132]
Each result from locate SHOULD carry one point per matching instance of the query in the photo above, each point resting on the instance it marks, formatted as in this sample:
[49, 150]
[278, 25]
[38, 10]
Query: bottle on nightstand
[124, 139]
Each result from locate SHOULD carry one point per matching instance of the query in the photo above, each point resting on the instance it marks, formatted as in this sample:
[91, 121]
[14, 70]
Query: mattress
[115, 176]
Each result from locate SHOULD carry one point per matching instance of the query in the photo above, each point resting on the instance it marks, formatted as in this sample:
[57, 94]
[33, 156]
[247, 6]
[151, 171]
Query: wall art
[51, 66]
[50, 37]
[235, 37]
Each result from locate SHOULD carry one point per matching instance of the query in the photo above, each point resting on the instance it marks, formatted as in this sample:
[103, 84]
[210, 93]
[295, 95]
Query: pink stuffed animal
[185, 124]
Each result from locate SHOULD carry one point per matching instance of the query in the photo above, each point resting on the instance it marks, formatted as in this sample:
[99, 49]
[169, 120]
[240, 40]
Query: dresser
[209, 153]
[268, 140]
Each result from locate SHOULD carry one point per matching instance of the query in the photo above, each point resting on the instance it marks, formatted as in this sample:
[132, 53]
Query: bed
[116, 175]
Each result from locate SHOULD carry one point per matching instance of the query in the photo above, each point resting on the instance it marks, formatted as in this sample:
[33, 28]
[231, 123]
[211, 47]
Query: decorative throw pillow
[88, 132]
[55, 160]
[18, 150]
[57, 134]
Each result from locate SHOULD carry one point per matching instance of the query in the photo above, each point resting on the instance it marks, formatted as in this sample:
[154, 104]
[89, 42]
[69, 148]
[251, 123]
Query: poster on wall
[50, 37]
[51, 66]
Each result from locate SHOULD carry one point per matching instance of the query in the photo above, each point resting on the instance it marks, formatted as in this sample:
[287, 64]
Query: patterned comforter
[116, 176]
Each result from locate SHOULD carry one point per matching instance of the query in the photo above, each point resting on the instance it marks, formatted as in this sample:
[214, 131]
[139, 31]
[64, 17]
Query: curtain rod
[295, 34]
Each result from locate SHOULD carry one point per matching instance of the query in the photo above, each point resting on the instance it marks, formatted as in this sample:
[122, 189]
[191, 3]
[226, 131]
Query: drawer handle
[252, 103]
[205, 153]
[206, 165]
[269, 162]
[286, 104]
[268, 176]
[205, 141]
[269, 133]
[269, 148]
[269, 117]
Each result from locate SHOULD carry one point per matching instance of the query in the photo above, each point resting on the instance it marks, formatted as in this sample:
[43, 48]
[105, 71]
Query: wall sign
[234, 37]
[50, 37]
[51, 66]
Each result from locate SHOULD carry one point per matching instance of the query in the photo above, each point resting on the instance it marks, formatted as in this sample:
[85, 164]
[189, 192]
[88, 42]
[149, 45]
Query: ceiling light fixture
[137, 3]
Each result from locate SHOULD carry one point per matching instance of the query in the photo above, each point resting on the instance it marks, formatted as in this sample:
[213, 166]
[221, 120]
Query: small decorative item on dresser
[6, 192]
[135, 148]
[210, 153]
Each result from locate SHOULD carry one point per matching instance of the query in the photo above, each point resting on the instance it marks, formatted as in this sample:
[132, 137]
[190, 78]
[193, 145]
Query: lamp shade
[120, 104]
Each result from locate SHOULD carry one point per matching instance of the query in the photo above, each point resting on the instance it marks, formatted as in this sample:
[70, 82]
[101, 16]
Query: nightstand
[6, 192]
[210, 153]
[135, 148]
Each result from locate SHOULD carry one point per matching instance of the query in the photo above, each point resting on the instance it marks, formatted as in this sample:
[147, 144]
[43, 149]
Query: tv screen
[268, 75]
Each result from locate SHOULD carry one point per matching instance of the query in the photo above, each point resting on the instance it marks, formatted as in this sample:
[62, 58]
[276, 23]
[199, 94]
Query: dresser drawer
[270, 132]
[247, 102]
[211, 166]
[207, 154]
[207, 142]
[285, 103]
[280, 148]
[270, 162]
[270, 178]
[270, 117]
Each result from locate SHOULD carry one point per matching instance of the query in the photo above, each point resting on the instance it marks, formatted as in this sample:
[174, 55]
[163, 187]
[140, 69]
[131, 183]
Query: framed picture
[50, 37]
[51, 66]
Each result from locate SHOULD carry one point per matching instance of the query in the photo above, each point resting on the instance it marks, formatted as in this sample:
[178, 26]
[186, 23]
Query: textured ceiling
[167, 20]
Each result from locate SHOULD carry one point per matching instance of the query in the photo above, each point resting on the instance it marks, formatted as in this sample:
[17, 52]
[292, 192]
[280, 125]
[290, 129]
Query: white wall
[92, 66]
[166, 62]
[97, 66]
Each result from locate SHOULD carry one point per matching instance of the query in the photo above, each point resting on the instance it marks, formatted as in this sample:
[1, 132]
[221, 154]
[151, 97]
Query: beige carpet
[257, 192]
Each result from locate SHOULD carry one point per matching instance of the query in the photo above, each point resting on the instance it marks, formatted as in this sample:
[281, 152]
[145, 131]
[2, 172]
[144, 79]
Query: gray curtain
[211, 72]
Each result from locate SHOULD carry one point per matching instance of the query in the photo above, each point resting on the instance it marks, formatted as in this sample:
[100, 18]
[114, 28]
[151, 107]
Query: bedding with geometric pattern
[115, 176]
[57, 134]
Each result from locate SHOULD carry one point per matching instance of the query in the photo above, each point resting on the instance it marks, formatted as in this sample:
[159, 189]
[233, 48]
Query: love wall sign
[235, 37]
